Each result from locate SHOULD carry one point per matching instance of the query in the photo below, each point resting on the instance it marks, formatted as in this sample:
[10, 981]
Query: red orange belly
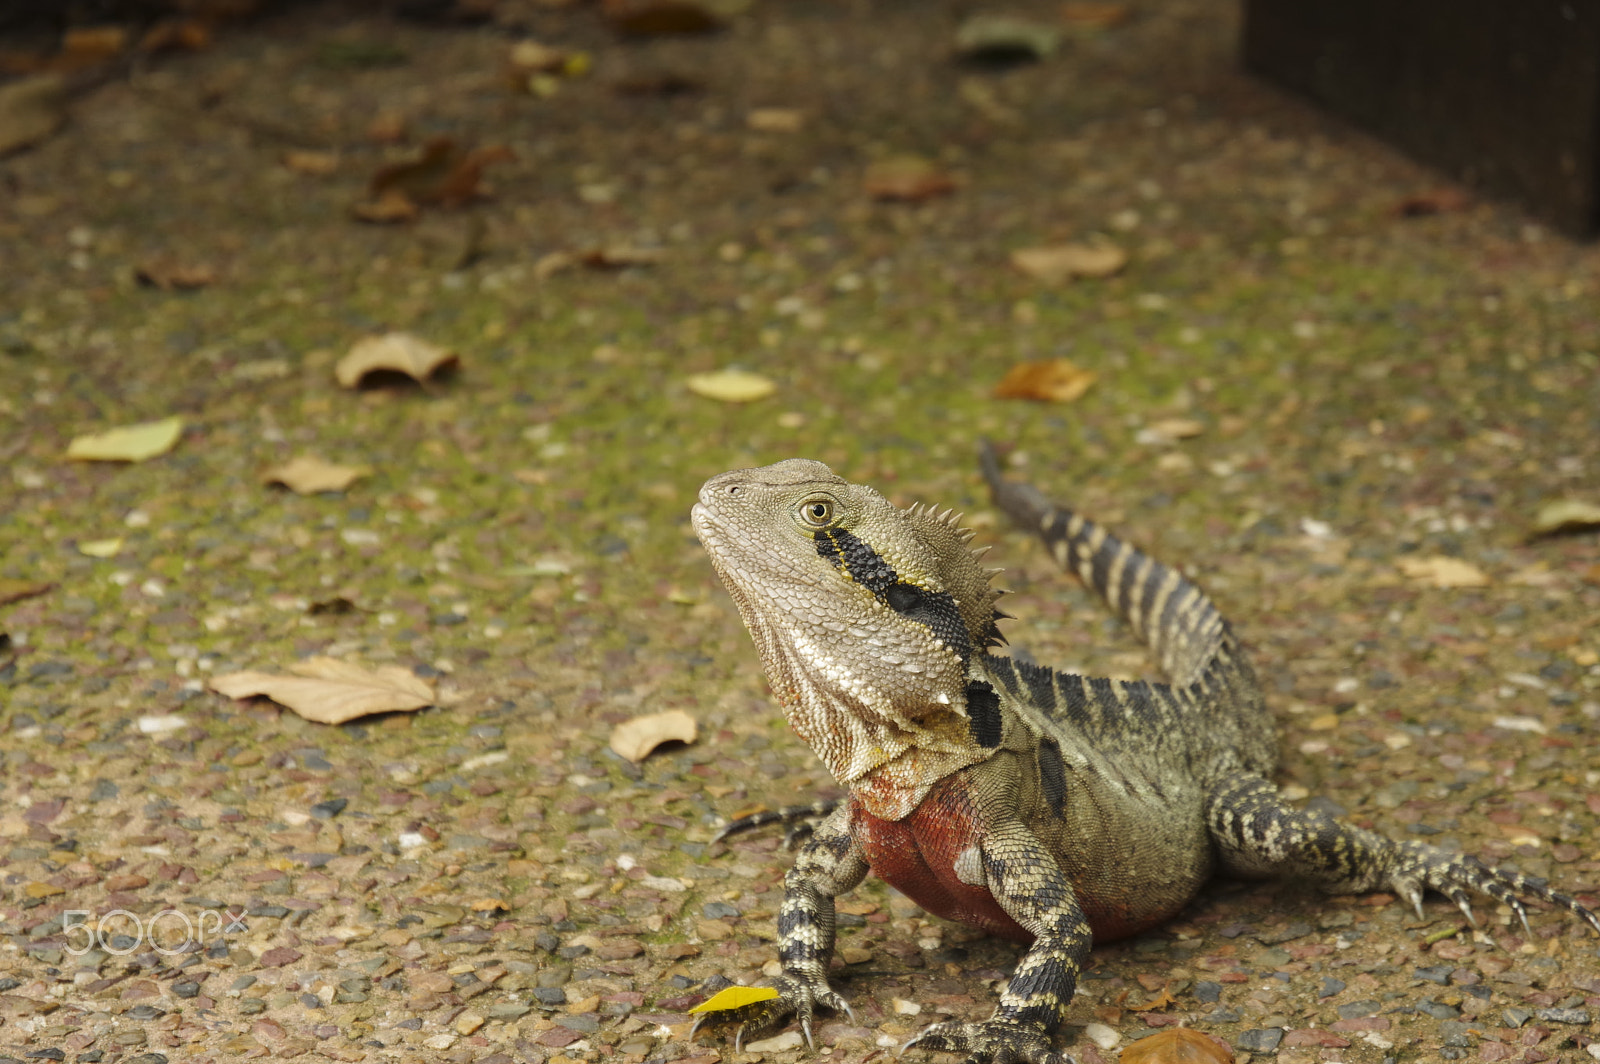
[918, 856]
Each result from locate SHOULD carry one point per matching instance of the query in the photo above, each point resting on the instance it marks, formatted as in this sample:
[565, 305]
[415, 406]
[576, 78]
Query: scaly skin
[1051, 808]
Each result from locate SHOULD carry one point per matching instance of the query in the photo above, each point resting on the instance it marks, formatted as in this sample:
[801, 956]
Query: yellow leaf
[394, 352]
[1566, 515]
[1063, 262]
[732, 386]
[634, 739]
[131, 443]
[1442, 571]
[100, 548]
[308, 474]
[735, 997]
[330, 691]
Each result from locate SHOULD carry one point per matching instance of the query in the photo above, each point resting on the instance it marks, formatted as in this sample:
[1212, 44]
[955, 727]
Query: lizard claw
[1465, 905]
[1413, 894]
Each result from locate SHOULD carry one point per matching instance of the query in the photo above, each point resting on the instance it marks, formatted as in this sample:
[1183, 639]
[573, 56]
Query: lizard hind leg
[1258, 836]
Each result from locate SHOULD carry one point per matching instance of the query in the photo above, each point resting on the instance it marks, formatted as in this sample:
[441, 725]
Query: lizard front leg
[1030, 886]
[1257, 835]
[828, 865]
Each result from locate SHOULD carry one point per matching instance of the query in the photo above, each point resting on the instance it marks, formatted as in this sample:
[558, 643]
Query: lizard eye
[816, 513]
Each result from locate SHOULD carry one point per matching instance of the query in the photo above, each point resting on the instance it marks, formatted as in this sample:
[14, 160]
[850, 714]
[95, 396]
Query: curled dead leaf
[17, 590]
[998, 38]
[732, 386]
[307, 474]
[1094, 16]
[392, 353]
[657, 83]
[1056, 381]
[131, 443]
[100, 548]
[908, 178]
[317, 163]
[176, 35]
[1446, 200]
[1062, 262]
[617, 256]
[31, 110]
[634, 739]
[1443, 571]
[389, 207]
[1169, 430]
[330, 691]
[775, 119]
[445, 174]
[667, 18]
[169, 274]
[535, 57]
[552, 263]
[1565, 515]
[1178, 1045]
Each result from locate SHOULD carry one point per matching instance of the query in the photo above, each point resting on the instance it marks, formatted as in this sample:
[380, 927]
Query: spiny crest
[960, 570]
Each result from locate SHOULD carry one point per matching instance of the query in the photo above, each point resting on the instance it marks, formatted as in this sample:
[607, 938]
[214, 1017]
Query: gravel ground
[1368, 392]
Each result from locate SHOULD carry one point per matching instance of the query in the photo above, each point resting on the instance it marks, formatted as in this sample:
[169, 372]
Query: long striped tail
[1183, 629]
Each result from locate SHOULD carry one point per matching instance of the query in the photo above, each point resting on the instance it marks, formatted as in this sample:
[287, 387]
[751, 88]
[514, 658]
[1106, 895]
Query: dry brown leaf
[776, 120]
[168, 274]
[1056, 381]
[387, 127]
[553, 263]
[176, 35]
[1443, 571]
[391, 353]
[634, 739]
[317, 163]
[1094, 16]
[1446, 200]
[657, 83]
[330, 691]
[1169, 430]
[307, 474]
[1178, 1045]
[1160, 1001]
[16, 590]
[1000, 38]
[616, 256]
[389, 207]
[535, 57]
[31, 110]
[909, 178]
[660, 18]
[1063, 262]
[445, 174]
[1566, 515]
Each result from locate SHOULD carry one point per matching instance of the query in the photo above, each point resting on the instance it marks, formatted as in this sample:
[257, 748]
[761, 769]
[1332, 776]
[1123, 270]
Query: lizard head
[848, 596]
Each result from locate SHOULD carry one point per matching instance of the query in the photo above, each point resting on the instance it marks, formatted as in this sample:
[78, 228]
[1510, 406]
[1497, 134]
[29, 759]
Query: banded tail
[1183, 629]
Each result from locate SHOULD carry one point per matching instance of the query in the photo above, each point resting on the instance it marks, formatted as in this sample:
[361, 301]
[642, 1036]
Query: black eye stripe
[934, 610]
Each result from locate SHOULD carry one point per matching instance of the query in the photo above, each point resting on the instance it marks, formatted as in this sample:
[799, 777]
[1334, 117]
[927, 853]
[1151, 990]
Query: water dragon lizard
[1047, 807]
